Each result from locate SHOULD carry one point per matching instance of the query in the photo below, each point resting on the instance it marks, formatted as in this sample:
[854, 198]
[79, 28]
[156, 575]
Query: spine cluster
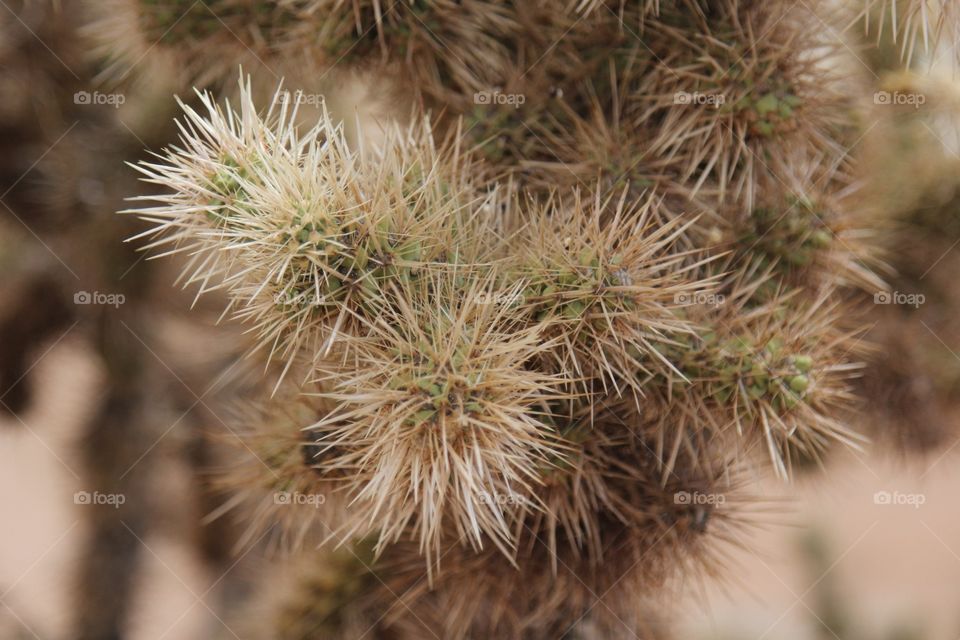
[527, 341]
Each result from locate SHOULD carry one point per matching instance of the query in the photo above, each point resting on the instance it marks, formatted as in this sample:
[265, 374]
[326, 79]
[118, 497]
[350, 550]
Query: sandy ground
[888, 568]
[891, 570]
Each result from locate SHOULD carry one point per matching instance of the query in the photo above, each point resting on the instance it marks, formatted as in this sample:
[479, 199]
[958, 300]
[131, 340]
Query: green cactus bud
[799, 383]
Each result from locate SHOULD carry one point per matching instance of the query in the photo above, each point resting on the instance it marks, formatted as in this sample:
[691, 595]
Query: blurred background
[115, 385]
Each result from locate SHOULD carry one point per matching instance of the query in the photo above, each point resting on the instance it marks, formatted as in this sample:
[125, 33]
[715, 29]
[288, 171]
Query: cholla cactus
[607, 283]
[439, 411]
[517, 336]
[776, 379]
[751, 86]
[918, 26]
[341, 223]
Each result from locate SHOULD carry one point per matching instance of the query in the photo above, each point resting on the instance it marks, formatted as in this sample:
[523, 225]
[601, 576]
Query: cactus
[528, 338]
